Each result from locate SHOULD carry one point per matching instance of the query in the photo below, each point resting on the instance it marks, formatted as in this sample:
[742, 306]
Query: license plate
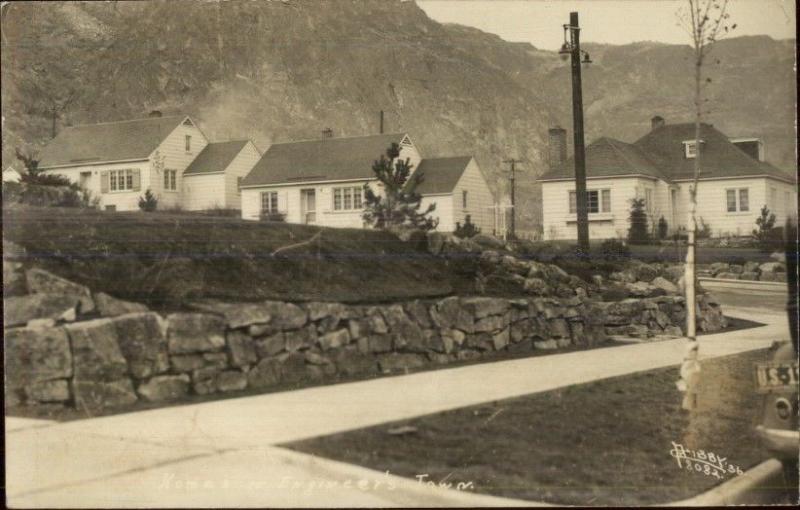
[777, 376]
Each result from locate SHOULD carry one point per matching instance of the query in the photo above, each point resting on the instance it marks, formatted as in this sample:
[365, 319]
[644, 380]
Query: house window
[648, 198]
[606, 201]
[238, 185]
[743, 203]
[464, 199]
[596, 201]
[120, 180]
[744, 200]
[170, 180]
[269, 201]
[347, 199]
[690, 148]
[188, 143]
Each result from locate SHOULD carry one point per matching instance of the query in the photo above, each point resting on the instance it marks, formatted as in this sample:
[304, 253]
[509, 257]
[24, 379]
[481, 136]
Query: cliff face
[277, 71]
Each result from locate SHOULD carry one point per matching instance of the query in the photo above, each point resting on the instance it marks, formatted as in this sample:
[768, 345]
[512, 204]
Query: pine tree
[400, 203]
[637, 233]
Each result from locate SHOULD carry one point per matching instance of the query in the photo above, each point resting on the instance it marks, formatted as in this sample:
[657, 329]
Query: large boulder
[772, 267]
[665, 285]
[49, 391]
[109, 306]
[143, 342]
[36, 355]
[164, 387]
[19, 310]
[270, 346]
[773, 277]
[645, 272]
[334, 339]
[481, 307]
[96, 352]
[40, 281]
[302, 338]
[488, 242]
[97, 395]
[405, 332]
[266, 373]
[195, 332]
[449, 314]
[242, 348]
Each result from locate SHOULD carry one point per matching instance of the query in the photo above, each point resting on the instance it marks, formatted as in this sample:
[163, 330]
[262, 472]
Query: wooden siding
[121, 200]
[174, 154]
[479, 199]
[239, 167]
[203, 191]
[443, 211]
[559, 223]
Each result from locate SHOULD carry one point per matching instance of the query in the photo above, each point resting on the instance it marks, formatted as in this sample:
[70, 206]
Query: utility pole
[573, 49]
[513, 162]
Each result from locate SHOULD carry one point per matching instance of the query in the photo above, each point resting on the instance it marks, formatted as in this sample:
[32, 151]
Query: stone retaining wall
[67, 346]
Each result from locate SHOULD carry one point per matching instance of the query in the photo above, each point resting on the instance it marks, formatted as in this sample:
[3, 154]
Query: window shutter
[104, 181]
[137, 180]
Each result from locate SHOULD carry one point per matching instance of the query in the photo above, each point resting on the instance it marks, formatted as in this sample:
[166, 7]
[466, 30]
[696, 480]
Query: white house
[212, 180]
[321, 182]
[735, 182]
[119, 161]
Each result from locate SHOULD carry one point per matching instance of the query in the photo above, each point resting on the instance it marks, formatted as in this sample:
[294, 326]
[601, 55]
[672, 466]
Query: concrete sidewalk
[133, 459]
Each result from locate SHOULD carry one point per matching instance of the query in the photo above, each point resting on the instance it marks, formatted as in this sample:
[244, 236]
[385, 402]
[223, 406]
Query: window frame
[170, 179]
[603, 201]
[120, 181]
[187, 143]
[464, 198]
[347, 198]
[271, 202]
[737, 194]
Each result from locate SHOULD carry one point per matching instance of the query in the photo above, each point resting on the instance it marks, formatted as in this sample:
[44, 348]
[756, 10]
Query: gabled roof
[326, 159]
[608, 157]
[108, 141]
[718, 157]
[215, 157]
[440, 175]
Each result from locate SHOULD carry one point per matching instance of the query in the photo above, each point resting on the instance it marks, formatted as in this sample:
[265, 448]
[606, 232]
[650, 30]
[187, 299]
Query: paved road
[223, 453]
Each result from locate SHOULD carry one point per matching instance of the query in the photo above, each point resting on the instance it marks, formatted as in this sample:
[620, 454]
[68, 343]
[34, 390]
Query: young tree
[707, 21]
[400, 203]
[638, 231]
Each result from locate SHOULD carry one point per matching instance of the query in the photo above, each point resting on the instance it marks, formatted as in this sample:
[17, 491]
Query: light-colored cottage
[321, 182]
[119, 161]
[212, 180]
[734, 184]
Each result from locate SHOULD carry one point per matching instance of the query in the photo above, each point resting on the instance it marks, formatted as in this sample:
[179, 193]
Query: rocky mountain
[284, 70]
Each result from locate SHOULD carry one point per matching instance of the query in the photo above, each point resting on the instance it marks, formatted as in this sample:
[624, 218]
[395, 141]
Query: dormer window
[690, 148]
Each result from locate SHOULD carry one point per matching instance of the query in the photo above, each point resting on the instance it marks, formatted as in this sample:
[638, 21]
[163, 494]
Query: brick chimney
[557, 146]
[656, 122]
[327, 133]
[155, 113]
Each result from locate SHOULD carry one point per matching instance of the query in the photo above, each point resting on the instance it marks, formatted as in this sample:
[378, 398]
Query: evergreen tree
[400, 203]
[637, 233]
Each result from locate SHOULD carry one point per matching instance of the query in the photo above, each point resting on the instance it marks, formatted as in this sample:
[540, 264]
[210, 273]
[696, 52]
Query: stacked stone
[662, 315]
[752, 271]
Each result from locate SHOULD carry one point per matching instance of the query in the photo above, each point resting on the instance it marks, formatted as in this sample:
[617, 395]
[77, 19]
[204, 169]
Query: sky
[539, 22]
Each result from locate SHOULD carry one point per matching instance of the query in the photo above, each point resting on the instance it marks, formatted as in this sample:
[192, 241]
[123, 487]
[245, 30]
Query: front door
[308, 205]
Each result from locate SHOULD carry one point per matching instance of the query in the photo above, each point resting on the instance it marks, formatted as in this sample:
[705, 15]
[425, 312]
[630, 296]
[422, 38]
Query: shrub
[663, 228]
[273, 216]
[768, 237]
[703, 229]
[614, 250]
[468, 229]
[637, 233]
[148, 202]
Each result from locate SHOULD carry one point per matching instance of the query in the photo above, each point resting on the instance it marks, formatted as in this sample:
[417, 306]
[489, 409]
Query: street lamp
[572, 48]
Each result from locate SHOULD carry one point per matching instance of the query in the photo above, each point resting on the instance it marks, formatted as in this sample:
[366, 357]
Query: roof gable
[108, 141]
[719, 157]
[215, 157]
[440, 175]
[327, 159]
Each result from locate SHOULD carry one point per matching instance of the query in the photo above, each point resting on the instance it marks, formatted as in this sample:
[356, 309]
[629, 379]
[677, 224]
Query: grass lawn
[601, 443]
[163, 258]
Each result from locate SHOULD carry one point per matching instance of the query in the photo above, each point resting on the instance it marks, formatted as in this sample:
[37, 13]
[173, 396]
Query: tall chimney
[657, 122]
[381, 131]
[155, 113]
[557, 146]
[327, 133]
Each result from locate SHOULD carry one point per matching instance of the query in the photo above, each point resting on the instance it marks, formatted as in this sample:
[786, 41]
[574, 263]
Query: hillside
[278, 71]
